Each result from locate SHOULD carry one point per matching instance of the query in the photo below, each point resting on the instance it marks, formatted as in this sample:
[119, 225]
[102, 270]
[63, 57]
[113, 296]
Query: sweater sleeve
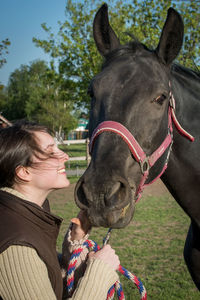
[67, 248]
[93, 278]
[24, 275]
[97, 280]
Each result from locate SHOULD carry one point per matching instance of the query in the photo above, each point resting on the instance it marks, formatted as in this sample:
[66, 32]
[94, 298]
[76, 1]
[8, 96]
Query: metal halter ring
[144, 165]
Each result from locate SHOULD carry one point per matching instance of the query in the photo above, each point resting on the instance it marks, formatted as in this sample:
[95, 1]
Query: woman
[31, 166]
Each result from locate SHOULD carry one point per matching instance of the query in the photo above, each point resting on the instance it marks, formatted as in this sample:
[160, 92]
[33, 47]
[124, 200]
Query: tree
[3, 51]
[56, 115]
[35, 92]
[17, 93]
[74, 50]
[3, 99]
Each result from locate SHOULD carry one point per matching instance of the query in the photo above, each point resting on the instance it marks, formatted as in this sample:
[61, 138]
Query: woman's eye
[160, 99]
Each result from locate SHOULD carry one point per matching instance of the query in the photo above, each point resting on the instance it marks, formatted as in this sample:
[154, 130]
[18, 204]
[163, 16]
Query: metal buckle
[144, 165]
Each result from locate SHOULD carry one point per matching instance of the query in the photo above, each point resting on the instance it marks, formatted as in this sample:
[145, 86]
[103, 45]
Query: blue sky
[20, 21]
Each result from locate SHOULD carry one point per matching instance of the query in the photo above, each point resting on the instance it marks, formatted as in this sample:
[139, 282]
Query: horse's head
[132, 89]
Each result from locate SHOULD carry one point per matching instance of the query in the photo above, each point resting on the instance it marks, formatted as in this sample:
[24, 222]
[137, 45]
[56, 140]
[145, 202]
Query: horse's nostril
[112, 196]
[114, 189]
[123, 191]
[81, 196]
[117, 195]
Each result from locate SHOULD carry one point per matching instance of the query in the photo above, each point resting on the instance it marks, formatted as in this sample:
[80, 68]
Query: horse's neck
[184, 162]
[186, 89]
[186, 92]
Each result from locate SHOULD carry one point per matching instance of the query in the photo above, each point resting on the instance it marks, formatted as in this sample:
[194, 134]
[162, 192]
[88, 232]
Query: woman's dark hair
[17, 147]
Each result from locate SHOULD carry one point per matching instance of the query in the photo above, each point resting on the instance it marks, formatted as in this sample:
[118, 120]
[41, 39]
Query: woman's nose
[66, 157]
[63, 156]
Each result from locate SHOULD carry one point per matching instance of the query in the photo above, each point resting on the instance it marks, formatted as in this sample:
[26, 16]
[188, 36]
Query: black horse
[135, 92]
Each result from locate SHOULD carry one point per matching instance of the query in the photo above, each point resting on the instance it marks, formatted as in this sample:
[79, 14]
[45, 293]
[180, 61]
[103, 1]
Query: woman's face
[49, 174]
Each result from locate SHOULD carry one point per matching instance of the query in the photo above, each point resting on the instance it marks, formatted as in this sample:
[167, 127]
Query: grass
[73, 179]
[74, 150]
[151, 247]
[82, 164]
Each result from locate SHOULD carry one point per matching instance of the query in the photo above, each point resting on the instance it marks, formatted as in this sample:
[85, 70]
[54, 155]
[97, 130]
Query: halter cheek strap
[146, 162]
[182, 131]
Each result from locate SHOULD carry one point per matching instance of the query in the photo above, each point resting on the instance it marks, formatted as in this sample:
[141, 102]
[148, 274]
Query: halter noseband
[146, 162]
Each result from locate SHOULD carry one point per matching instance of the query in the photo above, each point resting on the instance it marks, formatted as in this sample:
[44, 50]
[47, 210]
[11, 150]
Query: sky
[20, 21]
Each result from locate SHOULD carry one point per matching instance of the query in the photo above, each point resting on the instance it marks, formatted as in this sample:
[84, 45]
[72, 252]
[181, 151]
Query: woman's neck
[31, 194]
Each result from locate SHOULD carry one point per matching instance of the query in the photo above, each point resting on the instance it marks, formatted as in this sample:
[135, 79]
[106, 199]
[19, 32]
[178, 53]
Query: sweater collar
[13, 192]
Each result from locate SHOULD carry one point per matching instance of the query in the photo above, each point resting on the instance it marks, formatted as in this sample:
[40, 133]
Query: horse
[144, 124]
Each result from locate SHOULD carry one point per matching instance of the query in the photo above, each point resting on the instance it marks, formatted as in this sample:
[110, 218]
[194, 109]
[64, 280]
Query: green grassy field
[82, 164]
[151, 246]
[74, 150]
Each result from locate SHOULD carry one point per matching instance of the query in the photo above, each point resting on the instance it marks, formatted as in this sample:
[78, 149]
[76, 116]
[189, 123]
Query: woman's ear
[23, 173]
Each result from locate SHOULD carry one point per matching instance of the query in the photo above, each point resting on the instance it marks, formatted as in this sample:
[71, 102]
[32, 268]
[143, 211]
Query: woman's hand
[107, 255]
[81, 226]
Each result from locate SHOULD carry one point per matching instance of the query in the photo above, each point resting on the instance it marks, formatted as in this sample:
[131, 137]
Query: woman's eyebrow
[49, 146]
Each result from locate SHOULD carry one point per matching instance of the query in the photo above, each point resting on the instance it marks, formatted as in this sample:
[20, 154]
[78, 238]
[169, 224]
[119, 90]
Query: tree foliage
[74, 51]
[35, 92]
[4, 44]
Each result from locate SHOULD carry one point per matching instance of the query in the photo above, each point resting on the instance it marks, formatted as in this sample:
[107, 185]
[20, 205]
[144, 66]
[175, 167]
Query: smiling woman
[47, 171]
[34, 165]
[31, 166]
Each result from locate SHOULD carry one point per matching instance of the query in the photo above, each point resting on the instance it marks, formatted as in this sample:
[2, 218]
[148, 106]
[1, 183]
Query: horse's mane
[185, 71]
[136, 45]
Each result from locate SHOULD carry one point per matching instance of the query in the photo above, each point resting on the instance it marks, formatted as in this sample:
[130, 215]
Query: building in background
[81, 132]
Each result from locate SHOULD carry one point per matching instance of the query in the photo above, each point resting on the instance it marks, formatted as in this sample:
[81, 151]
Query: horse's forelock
[130, 48]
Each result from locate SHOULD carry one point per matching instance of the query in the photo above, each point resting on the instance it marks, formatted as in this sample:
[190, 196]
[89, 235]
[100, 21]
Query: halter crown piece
[146, 162]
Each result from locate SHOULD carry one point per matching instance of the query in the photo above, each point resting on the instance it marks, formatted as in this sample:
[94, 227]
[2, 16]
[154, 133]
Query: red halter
[146, 162]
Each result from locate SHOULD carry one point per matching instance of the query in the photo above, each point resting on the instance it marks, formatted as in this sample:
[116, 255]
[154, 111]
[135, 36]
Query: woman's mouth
[61, 171]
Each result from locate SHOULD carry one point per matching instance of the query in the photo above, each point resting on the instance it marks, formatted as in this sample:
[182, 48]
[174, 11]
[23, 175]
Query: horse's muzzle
[110, 205]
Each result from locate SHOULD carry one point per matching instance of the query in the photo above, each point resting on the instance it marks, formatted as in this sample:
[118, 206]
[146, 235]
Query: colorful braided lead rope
[89, 244]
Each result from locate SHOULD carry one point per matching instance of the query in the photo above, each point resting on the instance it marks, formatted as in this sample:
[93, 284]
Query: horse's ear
[171, 39]
[104, 36]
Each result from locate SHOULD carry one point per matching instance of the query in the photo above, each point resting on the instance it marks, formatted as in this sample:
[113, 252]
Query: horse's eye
[160, 99]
